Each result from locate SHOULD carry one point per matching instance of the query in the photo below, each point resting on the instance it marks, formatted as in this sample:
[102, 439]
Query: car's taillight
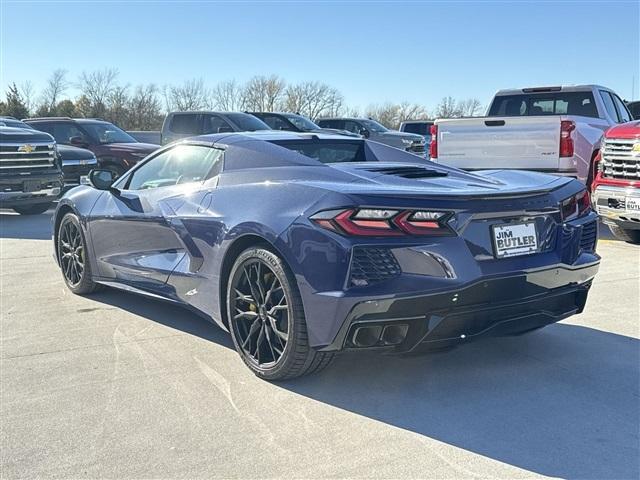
[566, 140]
[433, 146]
[380, 222]
[575, 206]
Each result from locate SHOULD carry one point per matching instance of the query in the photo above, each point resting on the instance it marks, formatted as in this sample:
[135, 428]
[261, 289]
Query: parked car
[375, 131]
[178, 125]
[306, 245]
[421, 127]
[30, 172]
[616, 188]
[76, 162]
[634, 109]
[114, 149]
[555, 130]
[292, 122]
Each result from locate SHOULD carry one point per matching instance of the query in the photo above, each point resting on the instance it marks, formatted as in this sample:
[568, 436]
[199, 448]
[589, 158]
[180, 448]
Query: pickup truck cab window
[547, 103]
[185, 123]
[609, 105]
[623, 113]
[215, 124]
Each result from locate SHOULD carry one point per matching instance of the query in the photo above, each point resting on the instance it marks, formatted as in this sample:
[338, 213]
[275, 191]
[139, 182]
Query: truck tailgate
[529, 143]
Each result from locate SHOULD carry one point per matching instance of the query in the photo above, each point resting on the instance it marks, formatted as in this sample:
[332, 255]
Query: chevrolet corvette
[305, 245]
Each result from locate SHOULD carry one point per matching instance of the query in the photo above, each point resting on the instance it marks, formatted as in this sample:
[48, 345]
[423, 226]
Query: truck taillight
[433, 146]
[566, 140]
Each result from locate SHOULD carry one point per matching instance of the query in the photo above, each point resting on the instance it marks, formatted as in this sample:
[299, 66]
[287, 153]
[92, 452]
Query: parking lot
[115, 385]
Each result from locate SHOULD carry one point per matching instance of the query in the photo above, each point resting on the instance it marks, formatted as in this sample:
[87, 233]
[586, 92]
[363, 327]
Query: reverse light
[374, 222]
[566, 140]
[433, 146]
[575, 206]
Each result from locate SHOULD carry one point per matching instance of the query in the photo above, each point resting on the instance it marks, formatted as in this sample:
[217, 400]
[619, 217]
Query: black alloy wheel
[266, 318]
[72, 256]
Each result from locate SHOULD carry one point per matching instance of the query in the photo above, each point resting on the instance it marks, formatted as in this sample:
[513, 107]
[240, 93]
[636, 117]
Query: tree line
[143, 107]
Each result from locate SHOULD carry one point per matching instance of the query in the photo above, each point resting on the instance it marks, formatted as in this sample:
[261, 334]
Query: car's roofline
[551, 89]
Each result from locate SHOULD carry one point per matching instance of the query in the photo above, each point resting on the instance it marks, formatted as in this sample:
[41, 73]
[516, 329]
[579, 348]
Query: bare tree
[264, 94]
[145, 110]
[57, 85]
[448, 108]
[118, 106]
[97, 87]
[27, 94]
[228, 96]
[313, 99]
[392, 115]
[470, 107]
[191, 95]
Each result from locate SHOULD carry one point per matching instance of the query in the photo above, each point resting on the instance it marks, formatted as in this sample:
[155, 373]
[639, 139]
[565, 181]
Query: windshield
[327, 151]
[301, 122]
[7, 122]
[373, 126]
[106, 133]
[247, 123]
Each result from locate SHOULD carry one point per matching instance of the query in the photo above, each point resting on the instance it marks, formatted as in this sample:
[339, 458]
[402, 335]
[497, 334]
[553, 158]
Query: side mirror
[225, 130]
[78, 141]
[101, 179]
[365, 133]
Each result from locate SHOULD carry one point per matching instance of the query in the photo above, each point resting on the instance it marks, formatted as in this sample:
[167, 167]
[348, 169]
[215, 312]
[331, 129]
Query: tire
[36, 209]
[71, 247]
[116, 170]
[626, 235]
[270, 334]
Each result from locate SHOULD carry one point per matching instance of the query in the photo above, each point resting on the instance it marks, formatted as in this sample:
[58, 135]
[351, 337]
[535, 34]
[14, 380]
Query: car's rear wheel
[266, 318]
[72, 255]
[625, 234]
[36, 209]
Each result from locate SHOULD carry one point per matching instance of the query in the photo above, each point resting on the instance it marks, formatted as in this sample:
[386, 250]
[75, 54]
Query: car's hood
[26, 135]
[346, 133]
[409, 136]
[67, 152]
[404, 179]
[133, 147]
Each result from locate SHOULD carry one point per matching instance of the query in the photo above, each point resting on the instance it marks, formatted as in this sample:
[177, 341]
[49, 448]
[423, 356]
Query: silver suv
[379, 133]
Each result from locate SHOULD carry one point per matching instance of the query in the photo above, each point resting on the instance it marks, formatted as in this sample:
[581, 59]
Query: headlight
[575, 206]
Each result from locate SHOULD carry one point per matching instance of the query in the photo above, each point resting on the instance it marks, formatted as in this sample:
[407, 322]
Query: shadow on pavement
[562, 402]
[29, 227]
[165, 313]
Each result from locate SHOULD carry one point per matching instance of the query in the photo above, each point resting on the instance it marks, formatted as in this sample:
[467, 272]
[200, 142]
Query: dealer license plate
[515, 239]
[632, 204]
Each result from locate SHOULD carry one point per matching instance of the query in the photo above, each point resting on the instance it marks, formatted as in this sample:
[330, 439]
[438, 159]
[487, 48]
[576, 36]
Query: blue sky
[372, 52]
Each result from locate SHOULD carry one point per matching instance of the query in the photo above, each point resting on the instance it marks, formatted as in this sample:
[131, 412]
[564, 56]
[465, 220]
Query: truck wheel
[33, 209]
[624, 234]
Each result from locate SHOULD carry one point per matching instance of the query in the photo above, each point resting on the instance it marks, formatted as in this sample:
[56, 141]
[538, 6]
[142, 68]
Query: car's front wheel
[72, 256]
[624, 234]
[266, 318]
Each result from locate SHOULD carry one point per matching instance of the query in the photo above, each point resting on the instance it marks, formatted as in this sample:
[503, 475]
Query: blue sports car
[304, 245]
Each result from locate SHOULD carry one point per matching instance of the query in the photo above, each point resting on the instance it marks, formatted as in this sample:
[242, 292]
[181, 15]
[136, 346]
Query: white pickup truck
[556, 130]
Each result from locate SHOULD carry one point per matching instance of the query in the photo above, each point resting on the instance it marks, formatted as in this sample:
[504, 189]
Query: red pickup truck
[616, 187]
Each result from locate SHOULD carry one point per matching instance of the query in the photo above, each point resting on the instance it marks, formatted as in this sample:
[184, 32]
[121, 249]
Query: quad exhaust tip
[379, 335]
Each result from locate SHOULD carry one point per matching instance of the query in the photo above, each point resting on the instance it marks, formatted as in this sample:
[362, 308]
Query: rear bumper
[499, 306]
[610, 203]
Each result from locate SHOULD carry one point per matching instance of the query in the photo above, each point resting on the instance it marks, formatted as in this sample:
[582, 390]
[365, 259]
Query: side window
[276, 123]
[62, 132]
[178, 165]
[608, 104]
[187, 123]
[338, 124]
[352, 126]
[623, 113]
[215, 124]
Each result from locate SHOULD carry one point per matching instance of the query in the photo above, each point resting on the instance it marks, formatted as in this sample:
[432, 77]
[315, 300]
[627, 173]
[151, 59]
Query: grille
[372, 265]
[619, 160]
[417, 147]
[18, 156]
[589, 236]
